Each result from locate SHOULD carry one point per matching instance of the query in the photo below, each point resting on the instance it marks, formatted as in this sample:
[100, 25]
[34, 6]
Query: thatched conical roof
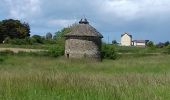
[83, 29]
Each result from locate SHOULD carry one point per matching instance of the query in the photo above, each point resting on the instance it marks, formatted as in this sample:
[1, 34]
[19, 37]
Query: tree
[160, 45]
[114, 42]
[49, 35]
[2, 32]
[150, 44]
[59, 36]
[37, 39]
[166, 43]
[13, 29]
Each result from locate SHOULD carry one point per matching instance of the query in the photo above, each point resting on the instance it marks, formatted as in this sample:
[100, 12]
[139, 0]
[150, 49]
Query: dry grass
[16, 50]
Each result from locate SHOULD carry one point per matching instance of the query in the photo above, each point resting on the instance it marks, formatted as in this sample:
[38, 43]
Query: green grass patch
[35, 46]
[139, 50]
[28, 77]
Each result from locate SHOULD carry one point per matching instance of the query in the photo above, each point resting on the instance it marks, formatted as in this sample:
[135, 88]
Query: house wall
[139, 44]
[126, 40]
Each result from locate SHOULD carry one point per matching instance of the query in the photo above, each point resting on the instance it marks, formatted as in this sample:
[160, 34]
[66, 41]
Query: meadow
[29, 77]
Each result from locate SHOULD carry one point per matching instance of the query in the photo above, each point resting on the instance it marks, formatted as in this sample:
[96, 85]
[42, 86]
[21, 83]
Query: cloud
[139, 17]
[134, 9]
[23, 9]
[61, 22]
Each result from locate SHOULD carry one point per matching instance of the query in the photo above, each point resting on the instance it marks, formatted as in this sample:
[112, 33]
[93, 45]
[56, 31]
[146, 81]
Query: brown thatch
[83, 29]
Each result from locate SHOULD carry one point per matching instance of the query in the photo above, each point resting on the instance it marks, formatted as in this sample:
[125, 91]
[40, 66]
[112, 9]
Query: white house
[126, 39]
[140, 43]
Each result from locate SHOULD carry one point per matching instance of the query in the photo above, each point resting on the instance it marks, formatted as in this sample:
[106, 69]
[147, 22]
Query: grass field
[46, 78]
[119, 49]
[38, 46]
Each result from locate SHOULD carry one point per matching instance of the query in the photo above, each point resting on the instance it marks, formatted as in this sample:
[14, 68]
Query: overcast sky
[144, 19]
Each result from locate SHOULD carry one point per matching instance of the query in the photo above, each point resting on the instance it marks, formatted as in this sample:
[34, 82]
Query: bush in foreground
[56, 51]
[108, 52]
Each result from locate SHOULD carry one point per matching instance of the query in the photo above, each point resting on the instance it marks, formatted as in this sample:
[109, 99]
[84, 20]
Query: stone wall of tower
[83, 47]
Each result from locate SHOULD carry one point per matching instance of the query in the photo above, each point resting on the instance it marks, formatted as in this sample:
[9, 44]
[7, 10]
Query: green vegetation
[11, 28]
[28, 77]
[1, 59]
[139, 50]
[167, 50]
[133, 73]
[108, 52]
[15, 32]
[39, 46]
[150, 44]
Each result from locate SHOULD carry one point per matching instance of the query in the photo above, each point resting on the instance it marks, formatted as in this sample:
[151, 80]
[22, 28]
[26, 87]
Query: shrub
[1, 59]
[16, 41]
[50, 41]
[38, 39]
[7, 40]
[167, 50]
[6, 52]
[150, 44]
[108, 52]
[56, 51]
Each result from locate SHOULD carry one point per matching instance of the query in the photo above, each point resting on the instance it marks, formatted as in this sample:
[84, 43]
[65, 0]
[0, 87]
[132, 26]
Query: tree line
[12, 29]
[18, 33]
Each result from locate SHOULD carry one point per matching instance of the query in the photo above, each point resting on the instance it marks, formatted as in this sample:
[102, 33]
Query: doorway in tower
[68, 55]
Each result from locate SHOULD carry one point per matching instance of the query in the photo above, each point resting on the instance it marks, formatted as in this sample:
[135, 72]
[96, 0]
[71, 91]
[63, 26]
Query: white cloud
[106, 15]
[132, 9]
[23, 8]
[61, 22]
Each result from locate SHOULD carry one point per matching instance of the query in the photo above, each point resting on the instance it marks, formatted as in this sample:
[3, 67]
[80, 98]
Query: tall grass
[46, 78]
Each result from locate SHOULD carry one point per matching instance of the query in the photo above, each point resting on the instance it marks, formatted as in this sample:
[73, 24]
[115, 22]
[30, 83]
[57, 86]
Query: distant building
[83, 41]
[126, 39]
[139, 43]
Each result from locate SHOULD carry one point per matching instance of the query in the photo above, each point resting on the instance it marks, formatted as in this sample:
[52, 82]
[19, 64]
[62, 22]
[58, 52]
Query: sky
[143, 19]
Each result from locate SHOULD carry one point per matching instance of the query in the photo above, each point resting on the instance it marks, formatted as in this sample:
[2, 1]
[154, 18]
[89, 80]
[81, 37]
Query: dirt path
[16, 50]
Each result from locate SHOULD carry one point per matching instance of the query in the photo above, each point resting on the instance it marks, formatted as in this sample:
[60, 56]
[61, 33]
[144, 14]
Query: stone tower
[83, 41]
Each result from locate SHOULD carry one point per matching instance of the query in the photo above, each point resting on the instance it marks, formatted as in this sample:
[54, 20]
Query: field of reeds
[28, 77]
